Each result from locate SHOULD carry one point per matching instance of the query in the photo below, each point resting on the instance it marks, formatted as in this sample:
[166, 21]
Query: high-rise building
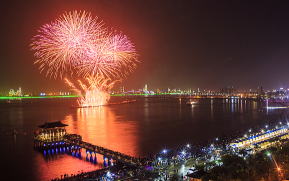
[145, 89]
[122, 89]
[260, 91]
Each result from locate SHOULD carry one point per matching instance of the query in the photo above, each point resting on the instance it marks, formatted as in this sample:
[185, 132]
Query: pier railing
[48, 140]
[110, 154]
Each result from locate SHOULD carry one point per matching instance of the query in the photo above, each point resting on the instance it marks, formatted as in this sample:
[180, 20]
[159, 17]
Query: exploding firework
[115, 57]
[79, 46]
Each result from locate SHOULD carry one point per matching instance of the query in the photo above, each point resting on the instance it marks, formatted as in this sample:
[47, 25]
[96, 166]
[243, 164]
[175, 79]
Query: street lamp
[277, 166]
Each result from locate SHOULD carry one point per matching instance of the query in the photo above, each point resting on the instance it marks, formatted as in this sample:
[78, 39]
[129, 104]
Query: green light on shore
[36, 97]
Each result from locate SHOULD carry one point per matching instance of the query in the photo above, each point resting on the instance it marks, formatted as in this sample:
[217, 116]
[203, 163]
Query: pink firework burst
[116, 57]
[63, 44]
[79, 45]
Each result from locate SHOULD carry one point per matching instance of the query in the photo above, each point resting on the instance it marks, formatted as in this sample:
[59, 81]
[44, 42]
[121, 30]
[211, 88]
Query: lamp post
[278, 168]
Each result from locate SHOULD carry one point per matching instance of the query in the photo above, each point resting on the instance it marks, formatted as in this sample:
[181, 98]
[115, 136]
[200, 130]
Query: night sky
[182, 44]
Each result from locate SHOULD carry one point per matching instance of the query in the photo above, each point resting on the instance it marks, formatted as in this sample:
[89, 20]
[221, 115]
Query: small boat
[128, 101]
[191, 102]
[123, 102]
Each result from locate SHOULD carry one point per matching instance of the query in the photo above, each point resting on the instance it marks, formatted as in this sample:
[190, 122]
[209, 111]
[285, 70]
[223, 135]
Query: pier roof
[55, 124]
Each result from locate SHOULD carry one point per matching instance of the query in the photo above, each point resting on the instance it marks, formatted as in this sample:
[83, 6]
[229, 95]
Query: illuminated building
[145, 89]
[15, 93]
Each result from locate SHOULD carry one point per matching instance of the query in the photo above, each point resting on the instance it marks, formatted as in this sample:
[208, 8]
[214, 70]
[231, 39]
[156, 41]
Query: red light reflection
[100, 126]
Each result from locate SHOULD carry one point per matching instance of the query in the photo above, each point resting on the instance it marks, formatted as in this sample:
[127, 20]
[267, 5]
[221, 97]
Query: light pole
[278, 168]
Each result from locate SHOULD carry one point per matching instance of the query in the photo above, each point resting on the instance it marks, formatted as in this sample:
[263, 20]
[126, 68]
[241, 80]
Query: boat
[276, 103]
[191, 102]
[122, 102]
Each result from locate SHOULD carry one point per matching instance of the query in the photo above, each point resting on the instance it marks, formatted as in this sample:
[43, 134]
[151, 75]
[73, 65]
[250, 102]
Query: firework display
[80, 47]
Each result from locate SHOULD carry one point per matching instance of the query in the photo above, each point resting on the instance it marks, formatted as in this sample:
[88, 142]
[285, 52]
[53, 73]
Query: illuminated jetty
[93, 149]
[261, 140]
[53, 135]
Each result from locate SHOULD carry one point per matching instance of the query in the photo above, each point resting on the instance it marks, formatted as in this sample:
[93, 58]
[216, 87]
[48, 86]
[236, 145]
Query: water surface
[139, 129]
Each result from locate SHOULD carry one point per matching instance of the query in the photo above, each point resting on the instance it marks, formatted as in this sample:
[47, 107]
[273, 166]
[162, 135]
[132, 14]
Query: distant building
[122, 89]
[145, 89]
[159, 91]
[260, 92]
[228, 90]
[18, 92]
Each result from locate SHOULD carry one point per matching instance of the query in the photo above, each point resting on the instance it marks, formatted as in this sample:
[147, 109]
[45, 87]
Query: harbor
[52, 138]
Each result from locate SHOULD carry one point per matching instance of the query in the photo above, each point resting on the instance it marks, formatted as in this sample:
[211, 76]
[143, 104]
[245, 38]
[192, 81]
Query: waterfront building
[51, 131]
[18, 92]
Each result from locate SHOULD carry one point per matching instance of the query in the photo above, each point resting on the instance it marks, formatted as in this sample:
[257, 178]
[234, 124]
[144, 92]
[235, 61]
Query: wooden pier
[110, 154]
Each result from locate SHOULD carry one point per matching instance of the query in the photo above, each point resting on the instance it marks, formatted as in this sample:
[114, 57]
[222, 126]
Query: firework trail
[95, 94]
[79, 46]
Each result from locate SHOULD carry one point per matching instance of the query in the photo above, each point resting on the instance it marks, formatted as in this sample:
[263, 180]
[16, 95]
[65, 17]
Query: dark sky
[182, 44]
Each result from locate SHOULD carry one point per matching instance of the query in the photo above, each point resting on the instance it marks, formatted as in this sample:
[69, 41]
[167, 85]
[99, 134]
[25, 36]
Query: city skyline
[146, 89]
